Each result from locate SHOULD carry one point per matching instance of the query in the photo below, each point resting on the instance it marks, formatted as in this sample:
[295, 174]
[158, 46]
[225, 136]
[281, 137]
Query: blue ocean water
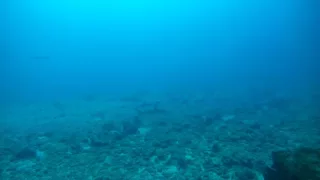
[163, 89]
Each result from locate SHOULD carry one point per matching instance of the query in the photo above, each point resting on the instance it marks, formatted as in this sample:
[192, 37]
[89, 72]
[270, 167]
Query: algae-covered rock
[299, 164]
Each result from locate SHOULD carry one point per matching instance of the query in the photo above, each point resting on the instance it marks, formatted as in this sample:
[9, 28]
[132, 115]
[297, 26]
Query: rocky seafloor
[143, 136]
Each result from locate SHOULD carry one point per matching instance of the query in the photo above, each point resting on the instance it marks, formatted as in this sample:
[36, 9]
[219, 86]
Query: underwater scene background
[162, 90]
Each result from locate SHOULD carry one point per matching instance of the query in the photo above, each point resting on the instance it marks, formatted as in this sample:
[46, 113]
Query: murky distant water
[137, 89]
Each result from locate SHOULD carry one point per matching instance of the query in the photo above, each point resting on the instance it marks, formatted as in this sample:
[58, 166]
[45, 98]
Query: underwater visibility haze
[161, 89]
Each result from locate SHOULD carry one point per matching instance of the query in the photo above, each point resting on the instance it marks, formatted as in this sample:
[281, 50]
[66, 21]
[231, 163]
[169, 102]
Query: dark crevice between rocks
[25, 153]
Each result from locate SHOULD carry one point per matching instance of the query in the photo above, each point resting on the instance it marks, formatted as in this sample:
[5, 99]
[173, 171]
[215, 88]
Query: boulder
[298, 164]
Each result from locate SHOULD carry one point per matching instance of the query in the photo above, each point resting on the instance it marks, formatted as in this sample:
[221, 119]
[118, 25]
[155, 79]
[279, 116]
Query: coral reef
[168, 136]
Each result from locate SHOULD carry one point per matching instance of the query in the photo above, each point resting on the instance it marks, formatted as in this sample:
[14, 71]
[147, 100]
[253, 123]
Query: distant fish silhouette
[41, 57]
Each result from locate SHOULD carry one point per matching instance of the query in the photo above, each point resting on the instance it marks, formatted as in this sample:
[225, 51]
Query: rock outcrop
[299, 164]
